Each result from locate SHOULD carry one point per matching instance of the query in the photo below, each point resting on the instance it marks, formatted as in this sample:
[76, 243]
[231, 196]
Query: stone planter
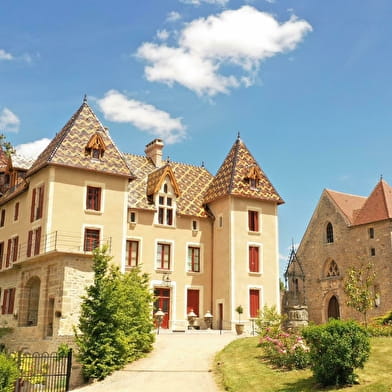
[239, 328]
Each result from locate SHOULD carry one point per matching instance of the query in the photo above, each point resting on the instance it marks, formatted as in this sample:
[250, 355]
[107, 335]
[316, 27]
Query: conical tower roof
[68, 148]
[235, 175]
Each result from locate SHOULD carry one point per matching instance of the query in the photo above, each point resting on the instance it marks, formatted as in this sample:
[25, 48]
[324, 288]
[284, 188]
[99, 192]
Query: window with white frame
[132, 253]
[166, 205]
[163, 256]
[193, 258]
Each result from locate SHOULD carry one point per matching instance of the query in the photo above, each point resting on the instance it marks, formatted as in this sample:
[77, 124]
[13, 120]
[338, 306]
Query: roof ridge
[345, 193]
[235, 160]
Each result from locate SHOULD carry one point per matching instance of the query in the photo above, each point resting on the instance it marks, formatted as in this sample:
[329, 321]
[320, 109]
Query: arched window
[333, 269]
[333, 308]
[329, 233]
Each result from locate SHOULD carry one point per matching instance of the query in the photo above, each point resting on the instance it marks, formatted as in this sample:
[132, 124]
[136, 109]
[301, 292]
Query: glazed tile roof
[156, 178]
[68, 146]
[192, 182]
[348, 204]
[21, 162]
[231, 178]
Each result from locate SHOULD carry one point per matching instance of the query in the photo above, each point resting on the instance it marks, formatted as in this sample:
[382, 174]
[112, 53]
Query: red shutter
[15, 249]
[8, 257]
[40, 202]
[2, 219]
[32, 214]
[29, 243]
[37, 241]
[1, 256]
[11, 300]
[98, 203]
[256, 220]
[5, 300]
[254, 299]
[253, 259]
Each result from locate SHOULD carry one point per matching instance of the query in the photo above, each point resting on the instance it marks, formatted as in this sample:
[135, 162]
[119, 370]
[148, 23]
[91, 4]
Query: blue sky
[307, 84]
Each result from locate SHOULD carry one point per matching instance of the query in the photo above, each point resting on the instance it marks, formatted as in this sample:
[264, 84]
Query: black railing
[43, 372]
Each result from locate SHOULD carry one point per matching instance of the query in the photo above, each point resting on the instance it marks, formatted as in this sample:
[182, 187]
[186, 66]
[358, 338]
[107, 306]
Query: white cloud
[243, 38]
[5, 56]
[117, 107]
[173, 16]
[198, 2]
[163, 35]
[9, 122]
[33, 149]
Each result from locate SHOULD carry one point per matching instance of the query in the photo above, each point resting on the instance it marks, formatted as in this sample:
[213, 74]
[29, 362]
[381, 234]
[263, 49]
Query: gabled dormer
[95, 147]
[163, 192]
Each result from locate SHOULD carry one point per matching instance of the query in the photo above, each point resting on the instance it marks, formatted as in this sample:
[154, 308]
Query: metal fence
[43, 372]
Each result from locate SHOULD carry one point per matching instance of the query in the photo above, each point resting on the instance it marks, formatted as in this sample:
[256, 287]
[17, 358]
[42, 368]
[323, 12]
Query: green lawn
[239, 367]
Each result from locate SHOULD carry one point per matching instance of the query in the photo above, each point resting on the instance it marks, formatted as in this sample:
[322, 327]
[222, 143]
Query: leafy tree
[6, 146]
[336, 350]
[358, 286]
[116, 319]
[9, 373]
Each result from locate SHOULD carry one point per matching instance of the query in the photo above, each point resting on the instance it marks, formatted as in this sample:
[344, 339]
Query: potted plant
[239, 327]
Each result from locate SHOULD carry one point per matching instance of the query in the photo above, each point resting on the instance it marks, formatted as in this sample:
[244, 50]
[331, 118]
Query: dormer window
[253, 177]
[166, 207]
[95, 147]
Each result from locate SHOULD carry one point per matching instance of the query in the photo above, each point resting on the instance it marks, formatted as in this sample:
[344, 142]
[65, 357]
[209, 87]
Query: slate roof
[192, 182]
[231, 178]
[68, 146]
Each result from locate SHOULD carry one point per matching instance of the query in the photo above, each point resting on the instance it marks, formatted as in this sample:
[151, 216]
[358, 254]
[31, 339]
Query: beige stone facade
[209, 243]
[345, 231]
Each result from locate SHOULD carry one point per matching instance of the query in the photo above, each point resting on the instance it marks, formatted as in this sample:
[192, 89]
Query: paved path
[179, 362]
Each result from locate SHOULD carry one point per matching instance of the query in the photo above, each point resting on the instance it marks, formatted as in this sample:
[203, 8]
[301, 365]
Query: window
[333, 269]
[16, 211]
[220, 221]
[91, 239]
[253, 220]
[93, 198]
[193, 259]
[37, 203]
[165, 210]
[163, 256]
[33, 242]
[32, 294]
[132, 253]
[195, 225]
[372, 251]
[12, 251]
[1, 254]
[329, 233]
[254, 265]
[8, 301]
[371, 232]
[254, 302]
[2, 218]
[132, 217]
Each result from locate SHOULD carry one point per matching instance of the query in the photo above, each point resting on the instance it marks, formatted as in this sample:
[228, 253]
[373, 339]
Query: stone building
[345, 231]
[208, 242]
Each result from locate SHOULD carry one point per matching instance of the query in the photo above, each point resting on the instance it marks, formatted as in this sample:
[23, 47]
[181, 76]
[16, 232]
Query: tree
[6, 146]
[358, 286]
[116, 319]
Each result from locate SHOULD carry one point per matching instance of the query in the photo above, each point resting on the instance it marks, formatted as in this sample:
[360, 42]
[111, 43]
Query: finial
[168, 159]
[85, 98]
[202, 164]
[238, 136]
[380, 177]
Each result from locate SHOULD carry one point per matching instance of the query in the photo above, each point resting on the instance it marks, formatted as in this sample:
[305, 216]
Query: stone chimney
[154, 151]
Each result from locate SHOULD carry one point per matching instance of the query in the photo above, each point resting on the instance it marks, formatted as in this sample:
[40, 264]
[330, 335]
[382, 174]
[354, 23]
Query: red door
[162, 301]
[254, 302]
[192, 302]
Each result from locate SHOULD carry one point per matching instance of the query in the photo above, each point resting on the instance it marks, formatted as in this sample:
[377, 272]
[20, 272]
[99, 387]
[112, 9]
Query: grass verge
[240, 367]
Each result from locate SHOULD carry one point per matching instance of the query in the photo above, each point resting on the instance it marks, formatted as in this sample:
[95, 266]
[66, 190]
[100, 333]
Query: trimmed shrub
[9, 373]
[336, 350]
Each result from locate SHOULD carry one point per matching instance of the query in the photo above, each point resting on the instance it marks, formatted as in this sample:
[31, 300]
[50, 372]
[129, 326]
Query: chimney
[154, 151]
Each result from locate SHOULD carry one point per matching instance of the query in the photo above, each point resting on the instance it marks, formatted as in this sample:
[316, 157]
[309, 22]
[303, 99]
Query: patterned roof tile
[232, 178]
[68, 146]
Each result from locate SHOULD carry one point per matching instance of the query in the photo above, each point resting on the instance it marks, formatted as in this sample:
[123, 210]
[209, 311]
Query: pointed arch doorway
[333, 308]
